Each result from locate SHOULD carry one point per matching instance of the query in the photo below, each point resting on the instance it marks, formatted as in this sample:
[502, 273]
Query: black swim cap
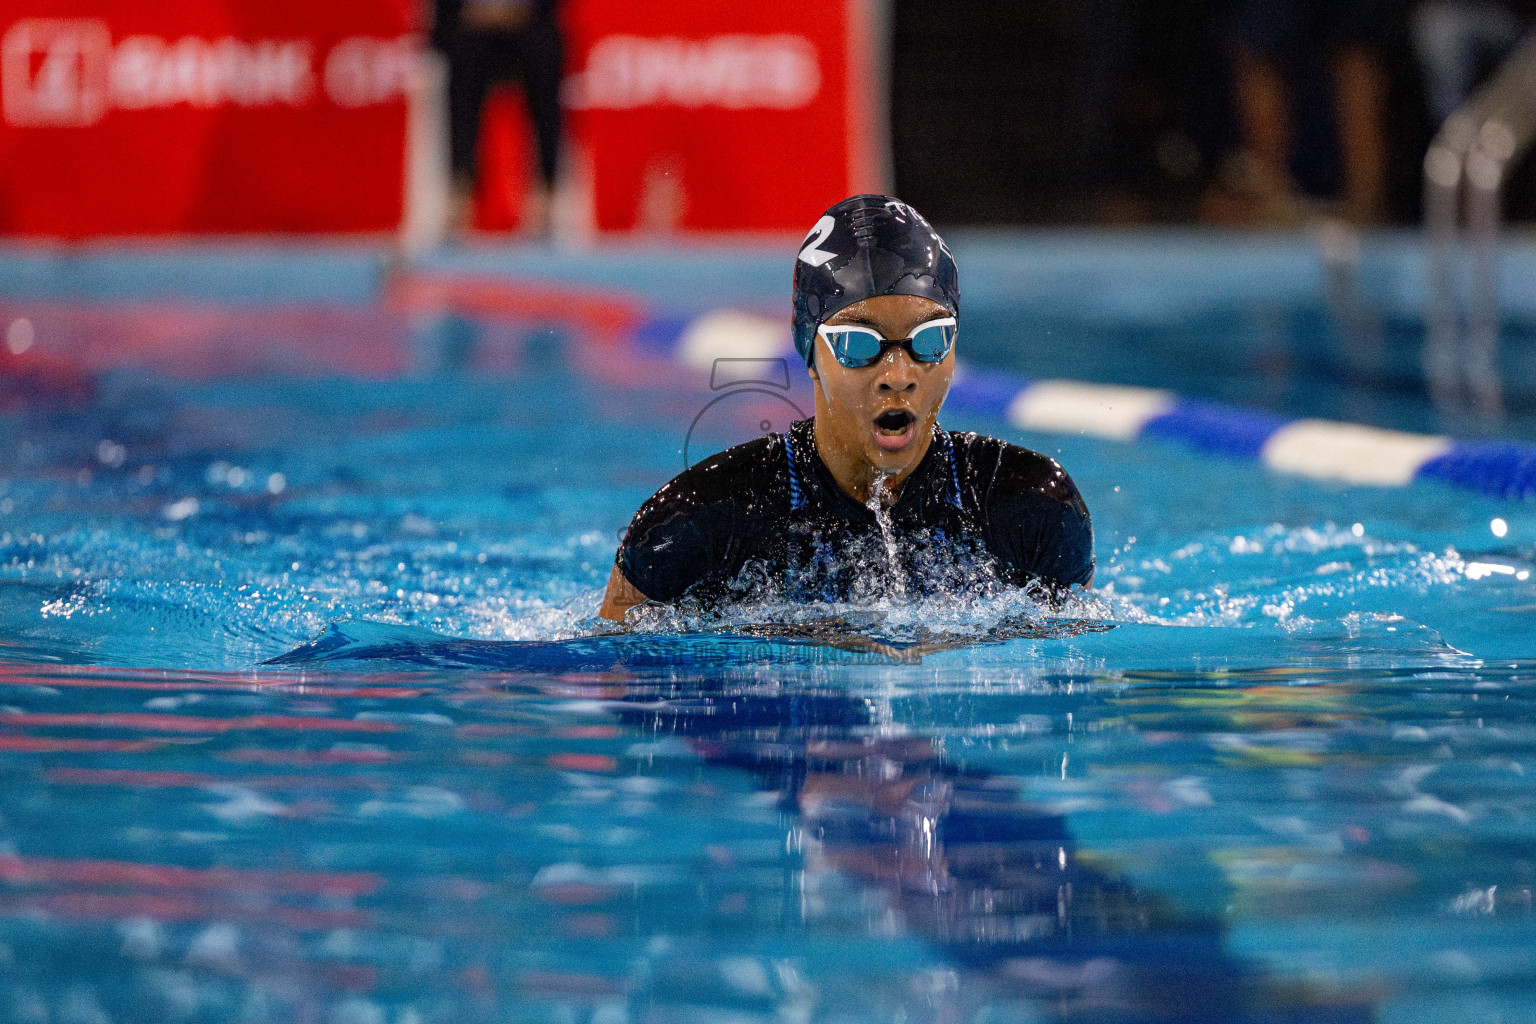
[863, 247]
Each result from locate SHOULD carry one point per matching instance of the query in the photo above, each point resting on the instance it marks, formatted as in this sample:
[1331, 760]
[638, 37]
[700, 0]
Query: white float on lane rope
[733, 334]
[1351, 452]
[1099, 410]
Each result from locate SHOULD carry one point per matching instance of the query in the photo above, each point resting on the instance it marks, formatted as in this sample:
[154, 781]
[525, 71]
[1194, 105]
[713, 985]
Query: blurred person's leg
[542, 54]
[1266, 30]
[482, 54]
[1455, 41]
[472, 71]
[1355, 31]
[1264, 106]
[1360, 96]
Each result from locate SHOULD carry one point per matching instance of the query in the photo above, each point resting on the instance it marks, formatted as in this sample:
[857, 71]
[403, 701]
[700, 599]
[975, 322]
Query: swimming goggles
[863, 346]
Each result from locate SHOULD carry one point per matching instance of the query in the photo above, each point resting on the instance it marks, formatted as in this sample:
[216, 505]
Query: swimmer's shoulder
[1000, 470]
[746, 471]
[1035, 518]
[699, 524]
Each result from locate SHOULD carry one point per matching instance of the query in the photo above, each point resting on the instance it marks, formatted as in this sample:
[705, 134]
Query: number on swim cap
[812, 255]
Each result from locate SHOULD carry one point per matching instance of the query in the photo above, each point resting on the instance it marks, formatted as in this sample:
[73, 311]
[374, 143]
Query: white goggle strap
[943, 321]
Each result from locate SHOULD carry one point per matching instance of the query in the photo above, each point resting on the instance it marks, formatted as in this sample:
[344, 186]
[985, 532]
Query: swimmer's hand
[833, 632]
[620, 597]
[840, 633]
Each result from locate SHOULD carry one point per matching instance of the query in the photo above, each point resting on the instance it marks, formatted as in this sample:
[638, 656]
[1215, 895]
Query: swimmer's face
[880, 415]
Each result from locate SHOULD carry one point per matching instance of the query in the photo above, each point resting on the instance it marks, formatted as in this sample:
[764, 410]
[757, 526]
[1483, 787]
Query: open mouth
[894, 429]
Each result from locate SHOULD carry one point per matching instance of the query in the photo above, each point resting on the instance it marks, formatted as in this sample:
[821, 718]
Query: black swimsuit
[765, 519]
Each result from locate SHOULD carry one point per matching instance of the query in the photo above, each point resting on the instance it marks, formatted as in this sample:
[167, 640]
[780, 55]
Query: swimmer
[869, 498]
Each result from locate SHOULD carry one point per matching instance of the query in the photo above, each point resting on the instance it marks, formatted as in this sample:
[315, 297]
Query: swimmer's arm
[1037, 523]
[620, 597]
[683, 534]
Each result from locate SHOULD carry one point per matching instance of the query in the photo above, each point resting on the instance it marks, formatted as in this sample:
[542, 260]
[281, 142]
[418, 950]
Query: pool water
[1296, 781]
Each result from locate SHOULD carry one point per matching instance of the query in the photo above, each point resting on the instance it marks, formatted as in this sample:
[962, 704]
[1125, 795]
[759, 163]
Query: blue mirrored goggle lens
[855, 347]
[931, 343]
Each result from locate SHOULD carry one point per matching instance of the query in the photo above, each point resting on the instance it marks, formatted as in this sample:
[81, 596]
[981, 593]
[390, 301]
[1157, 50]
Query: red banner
[702, 115]
[127, 117]
[186, 116]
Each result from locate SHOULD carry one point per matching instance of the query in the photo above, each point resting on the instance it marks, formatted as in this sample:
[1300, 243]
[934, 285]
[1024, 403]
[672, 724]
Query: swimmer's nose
[897, 370]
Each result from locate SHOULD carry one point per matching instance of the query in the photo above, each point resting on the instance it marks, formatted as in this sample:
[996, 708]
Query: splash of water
[881, 498]
[199, 594]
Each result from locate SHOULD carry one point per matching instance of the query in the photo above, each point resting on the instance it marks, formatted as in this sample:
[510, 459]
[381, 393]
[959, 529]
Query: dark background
[1113, 112]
